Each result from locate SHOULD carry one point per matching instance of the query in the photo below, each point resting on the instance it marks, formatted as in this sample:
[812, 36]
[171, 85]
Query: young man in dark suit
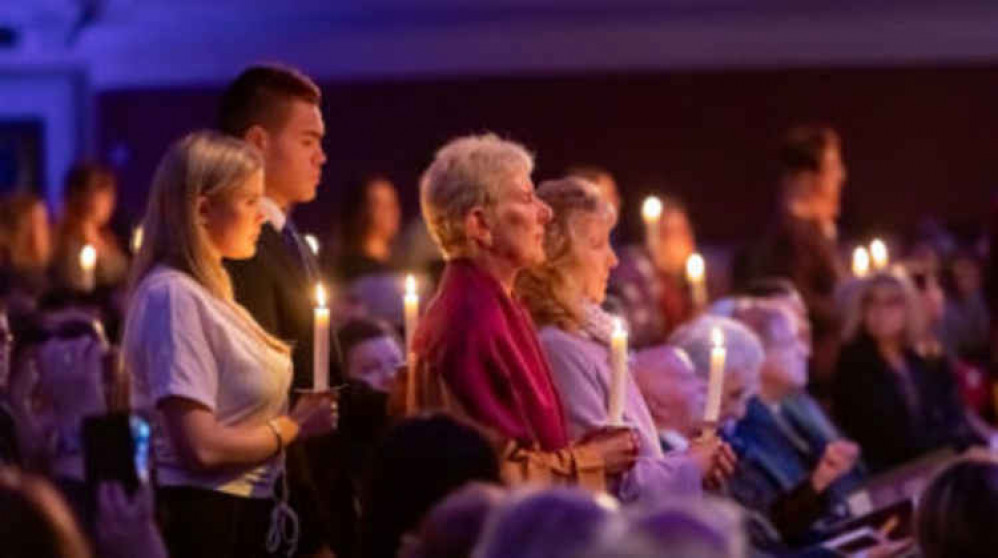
[276, 109]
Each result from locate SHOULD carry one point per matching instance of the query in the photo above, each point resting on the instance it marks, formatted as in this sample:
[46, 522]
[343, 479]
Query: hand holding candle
[618, 372]
[715, 387]
[878, 254]
[860, 262]
[320, 340]
[696, 276]
[88, 267]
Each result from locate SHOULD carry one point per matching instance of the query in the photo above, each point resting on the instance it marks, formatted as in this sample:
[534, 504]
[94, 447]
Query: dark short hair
[804, 147]
[260, 96]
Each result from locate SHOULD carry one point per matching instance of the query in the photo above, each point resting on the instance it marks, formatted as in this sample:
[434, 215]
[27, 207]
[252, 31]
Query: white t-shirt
[180, 340]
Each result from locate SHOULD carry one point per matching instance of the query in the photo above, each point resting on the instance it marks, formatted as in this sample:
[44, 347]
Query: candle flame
[88, 257]
[860, 262]
[695, 267]
[618, 326]
[320, 295]
[410, 285]
[878, 253]
[717, 338]
[313, 243]
[651, 209]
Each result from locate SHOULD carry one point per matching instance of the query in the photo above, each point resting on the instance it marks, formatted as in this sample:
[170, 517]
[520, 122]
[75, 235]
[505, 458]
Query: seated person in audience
[957, 514]
[420, 461]
[213, 382]
[60, 377]
[793, 465]
[972, 381]
[90, 195]
[675, 399]
[551, 523]
[38, 523]
[563, 295]
[744, 357]
[887, 396]
[452, 528]
[25, 252]
[371, 353]
[966, 324]
[476, 350]
[650, 286]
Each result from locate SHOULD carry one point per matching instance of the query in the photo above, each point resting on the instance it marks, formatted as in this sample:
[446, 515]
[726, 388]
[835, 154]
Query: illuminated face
[233, 219]
[517, 223]
[293, 154]
[592, 256]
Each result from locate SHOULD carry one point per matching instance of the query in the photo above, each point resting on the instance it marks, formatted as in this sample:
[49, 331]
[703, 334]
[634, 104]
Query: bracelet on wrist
[277, 436]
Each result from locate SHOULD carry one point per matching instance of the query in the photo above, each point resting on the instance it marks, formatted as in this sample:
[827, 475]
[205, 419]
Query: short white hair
[467, 172]
[744, 351]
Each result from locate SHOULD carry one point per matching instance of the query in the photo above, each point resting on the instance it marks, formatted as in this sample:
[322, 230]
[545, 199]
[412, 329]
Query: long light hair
[855, 318]
[200, 164]
[547, 289]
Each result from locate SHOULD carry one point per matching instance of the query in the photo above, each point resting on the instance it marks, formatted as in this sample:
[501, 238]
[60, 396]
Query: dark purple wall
[918, 141]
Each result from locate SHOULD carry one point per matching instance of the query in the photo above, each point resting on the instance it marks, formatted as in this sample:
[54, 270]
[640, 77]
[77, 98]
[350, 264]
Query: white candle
[618, 375]
[137, 237]
[715, 387]
[651, 213]
[313, 243]
[88, 266]
[860, 262]
[320, 342]
[878, 254]
[696, 270]
[411, 308]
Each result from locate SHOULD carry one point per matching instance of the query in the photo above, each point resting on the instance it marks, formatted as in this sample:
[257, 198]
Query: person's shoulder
[556, 338]
[171, 287]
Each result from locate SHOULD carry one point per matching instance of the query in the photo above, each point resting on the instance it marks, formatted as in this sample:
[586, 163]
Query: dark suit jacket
[871, 408]
[274, 287]
[774, 469]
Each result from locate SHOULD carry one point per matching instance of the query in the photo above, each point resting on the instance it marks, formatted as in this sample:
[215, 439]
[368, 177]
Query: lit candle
[411, 307]
[320, 342]
[651, 213]
[878, 254]
[88, 266]
[712, 413]
[695, 273]
[618, 372]
[313, 243]
[860, 262]
[137, 235]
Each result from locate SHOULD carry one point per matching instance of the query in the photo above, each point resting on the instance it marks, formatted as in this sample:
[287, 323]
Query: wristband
[277, 436]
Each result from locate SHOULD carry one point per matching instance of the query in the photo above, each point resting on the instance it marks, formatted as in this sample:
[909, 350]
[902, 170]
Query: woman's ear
[476, 227]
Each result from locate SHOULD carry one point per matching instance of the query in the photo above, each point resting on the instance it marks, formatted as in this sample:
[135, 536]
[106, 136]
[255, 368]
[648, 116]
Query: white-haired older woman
[563, 294]
[744, 357]
[213, 380]
[476, 349]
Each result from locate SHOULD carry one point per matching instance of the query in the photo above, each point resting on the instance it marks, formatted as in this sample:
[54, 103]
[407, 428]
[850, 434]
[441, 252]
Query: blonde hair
[547, 289]
[859, 299]
[467, 172]
[200, 164]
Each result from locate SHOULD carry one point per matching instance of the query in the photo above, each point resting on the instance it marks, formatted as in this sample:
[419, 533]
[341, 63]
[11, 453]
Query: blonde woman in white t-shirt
[214, 382]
